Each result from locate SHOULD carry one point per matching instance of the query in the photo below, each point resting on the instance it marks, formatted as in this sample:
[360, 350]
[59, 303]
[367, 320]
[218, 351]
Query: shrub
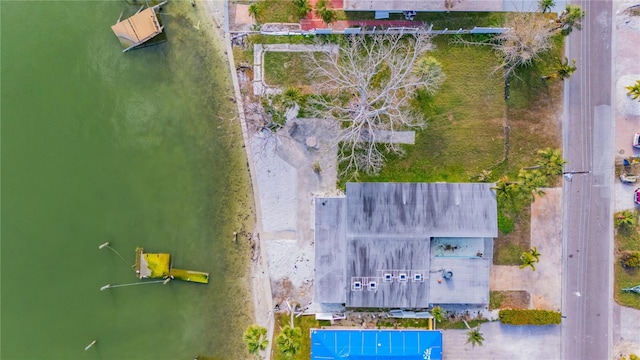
[631, 259]
[529, 317]
[625, 219]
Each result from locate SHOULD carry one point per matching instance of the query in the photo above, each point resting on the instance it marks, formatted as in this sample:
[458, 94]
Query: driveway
[545, 284]
[505, 342]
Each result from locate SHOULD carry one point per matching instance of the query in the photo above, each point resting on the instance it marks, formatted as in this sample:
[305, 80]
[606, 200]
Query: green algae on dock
[158, 266]
[188, 275]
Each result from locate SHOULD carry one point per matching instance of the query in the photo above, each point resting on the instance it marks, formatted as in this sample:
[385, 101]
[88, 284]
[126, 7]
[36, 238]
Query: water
[133, 149]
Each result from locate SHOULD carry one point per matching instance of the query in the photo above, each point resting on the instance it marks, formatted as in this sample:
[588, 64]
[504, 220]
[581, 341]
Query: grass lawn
[456, 19]
[627, 239]
[277, 11]
[306, 323]
[284, 69]
[464, 133]
[507, 248]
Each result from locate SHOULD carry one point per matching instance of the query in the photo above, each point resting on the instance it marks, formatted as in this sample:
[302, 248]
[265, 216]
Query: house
[406, 245]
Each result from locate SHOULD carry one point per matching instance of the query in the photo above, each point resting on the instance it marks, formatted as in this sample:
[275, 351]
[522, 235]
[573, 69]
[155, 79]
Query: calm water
[136, 149]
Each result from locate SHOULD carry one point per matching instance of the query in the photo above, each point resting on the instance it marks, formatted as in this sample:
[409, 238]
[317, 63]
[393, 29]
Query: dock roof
[138, 28]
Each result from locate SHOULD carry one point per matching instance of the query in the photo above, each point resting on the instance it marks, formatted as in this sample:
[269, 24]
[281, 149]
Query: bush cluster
[631, 259]
[529, 317]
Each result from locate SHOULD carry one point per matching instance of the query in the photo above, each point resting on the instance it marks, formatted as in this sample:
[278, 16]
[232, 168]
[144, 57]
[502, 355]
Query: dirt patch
[509, 300]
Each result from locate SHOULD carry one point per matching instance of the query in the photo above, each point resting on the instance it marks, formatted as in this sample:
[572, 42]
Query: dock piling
[90, 345]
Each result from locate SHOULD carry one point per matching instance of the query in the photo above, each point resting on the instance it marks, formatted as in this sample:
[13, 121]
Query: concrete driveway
[545, 284]
[505, 342]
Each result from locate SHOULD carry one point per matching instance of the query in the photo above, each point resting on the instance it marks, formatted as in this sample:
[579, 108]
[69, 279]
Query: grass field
[626, 239]
[284, 69]
[306, 323]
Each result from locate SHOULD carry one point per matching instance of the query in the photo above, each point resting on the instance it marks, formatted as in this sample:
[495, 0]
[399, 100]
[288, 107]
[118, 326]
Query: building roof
[330, 253]
[138, 28]
[374, 247]
[375, 344]
[422, 210]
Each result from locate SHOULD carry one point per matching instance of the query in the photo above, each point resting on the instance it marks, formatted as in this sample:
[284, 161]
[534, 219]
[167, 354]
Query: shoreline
[259, 285]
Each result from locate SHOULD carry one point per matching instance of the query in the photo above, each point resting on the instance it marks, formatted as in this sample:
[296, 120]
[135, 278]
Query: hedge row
[529, 317]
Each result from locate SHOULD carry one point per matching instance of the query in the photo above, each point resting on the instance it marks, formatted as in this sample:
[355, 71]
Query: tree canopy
[368, 87]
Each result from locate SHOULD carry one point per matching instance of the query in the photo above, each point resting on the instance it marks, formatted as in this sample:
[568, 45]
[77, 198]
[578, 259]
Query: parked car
[636, 196]
[636, 141]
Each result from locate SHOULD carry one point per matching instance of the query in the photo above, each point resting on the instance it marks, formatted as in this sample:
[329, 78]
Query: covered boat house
[138, 29]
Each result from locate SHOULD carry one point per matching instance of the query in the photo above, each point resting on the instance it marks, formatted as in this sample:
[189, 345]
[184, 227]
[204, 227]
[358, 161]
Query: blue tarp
[329, 344]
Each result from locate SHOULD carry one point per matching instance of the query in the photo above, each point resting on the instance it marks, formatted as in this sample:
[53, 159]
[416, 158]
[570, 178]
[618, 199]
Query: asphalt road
[588, 134]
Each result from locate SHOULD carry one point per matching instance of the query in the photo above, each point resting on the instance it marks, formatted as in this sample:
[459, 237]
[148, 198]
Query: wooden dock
[158, 266]
[188, 275]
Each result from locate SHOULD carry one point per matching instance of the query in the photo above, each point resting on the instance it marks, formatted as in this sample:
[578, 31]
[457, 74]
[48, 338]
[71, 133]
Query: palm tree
[546, 5]
[535, 254]
[292, 95]
[504, 189]
[289, 341]
[474, 337]
[254, 11]
[428, 67]
[327, 14]
[530, 183]
[304, 7]
[634, 90]
[551, 161]
[570, 18]
[565, 69]
[527, 260]
[437, 313]
[256, 339]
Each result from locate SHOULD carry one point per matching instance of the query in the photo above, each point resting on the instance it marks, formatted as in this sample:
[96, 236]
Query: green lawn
[627, 239]
[456, 19]
[464, 132]
[625, 278]
[286, 69]
[275, 11]
[306, 323]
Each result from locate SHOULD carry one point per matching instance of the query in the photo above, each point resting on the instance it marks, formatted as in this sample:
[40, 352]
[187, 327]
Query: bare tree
[530, 34]
[368, 88]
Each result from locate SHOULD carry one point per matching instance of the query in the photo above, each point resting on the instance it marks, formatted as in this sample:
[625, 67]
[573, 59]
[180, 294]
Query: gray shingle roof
[416, 209]
[383, 230]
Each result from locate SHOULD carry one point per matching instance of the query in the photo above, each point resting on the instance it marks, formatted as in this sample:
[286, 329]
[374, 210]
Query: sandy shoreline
[217, 11]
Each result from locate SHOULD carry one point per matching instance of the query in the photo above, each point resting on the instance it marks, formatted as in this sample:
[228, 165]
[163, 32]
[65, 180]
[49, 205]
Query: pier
[158, 266]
